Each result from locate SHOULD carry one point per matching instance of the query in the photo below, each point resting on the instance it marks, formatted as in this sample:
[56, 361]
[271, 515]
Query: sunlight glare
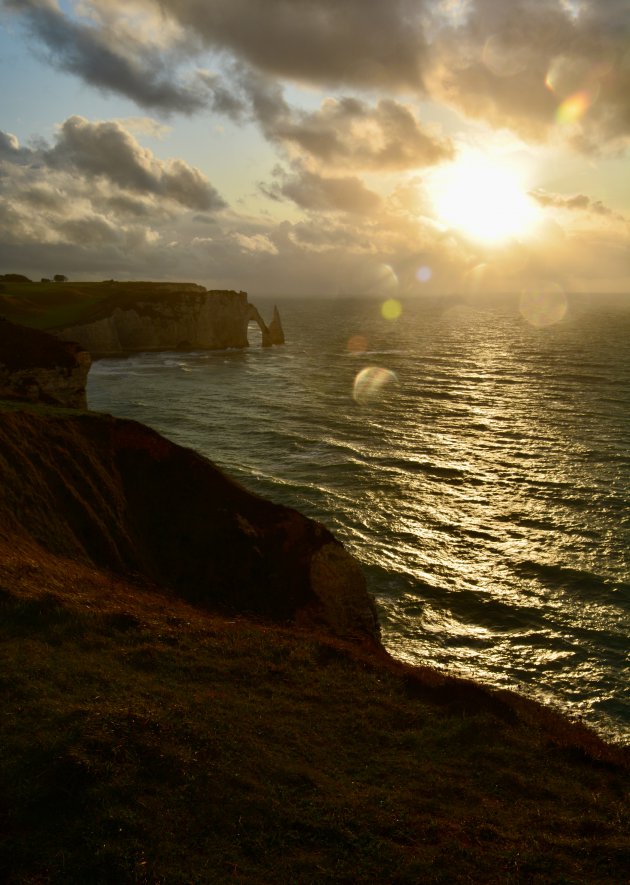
[484, 199]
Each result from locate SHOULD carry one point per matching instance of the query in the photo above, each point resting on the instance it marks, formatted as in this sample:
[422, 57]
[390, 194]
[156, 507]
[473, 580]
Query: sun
[483, 198]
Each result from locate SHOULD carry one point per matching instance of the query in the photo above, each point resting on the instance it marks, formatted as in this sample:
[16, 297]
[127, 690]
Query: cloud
[363, 43]
[319, 193]
[256, 243]
[513, 65]
[97, 191]
[145, 126]
[10, 149]
[107, 150]
[347, 133]
[539, 67]
[43, 197]
[110, 60]
[574, 203]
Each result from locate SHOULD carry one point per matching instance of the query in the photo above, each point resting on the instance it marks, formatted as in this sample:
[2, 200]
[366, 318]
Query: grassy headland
[55, 305]
[145, 740]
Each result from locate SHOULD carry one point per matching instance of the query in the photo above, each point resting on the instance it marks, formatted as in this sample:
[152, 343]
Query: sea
[474, 455]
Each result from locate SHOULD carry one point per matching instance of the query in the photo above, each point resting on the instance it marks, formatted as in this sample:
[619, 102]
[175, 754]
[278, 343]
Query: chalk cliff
[39, 368]
[172, 318]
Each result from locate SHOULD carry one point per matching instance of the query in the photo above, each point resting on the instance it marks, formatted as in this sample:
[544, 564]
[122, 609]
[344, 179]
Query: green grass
[144, 741]
[56, 305]
[49, 305]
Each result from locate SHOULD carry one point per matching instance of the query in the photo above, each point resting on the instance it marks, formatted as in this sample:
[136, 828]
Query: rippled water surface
[483, 477]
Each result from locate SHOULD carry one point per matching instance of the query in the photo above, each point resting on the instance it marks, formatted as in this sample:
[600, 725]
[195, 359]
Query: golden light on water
[371, 382]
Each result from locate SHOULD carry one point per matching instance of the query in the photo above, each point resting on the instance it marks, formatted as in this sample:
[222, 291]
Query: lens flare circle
[357, 344]
[544, 305]
[575, 106]
[391, 309]
[369, 383]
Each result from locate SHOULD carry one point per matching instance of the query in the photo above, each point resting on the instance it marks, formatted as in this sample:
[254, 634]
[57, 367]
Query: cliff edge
[170, 318]
[118, 495]
[151, 734]
[39, 368]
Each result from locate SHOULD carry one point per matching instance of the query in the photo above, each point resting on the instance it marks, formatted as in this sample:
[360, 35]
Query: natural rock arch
[272, 333]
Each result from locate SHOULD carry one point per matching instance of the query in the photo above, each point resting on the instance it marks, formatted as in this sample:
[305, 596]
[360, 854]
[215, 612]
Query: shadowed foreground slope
[117, 494]
[144, 739]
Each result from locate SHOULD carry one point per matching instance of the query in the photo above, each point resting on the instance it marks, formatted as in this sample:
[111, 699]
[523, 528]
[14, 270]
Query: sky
[318, 147]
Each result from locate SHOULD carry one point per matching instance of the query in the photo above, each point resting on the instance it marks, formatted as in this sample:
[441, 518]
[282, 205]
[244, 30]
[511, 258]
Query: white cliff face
[174, 321]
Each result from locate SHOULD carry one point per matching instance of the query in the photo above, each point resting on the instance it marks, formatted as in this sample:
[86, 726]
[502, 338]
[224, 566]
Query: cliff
[144, 739]
[118, 495]
[37, 367]
[170, 318]
[152, 732]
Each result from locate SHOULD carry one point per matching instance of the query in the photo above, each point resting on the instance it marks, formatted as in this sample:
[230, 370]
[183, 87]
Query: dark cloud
[224, 99]
[129, 67]
[106, 150]
[366, 43]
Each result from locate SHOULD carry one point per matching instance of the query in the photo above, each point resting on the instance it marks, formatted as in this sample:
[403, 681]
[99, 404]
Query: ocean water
[479, 470]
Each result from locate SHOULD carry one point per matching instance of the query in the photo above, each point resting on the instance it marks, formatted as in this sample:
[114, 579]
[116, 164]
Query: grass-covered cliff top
[53, 305]
[144, 740]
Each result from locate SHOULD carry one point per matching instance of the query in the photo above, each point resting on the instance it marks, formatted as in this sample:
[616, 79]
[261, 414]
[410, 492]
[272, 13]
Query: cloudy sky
[318, 146]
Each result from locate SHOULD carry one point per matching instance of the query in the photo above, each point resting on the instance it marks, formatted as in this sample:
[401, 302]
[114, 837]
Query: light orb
[544, 305]
[370, 383]
[424, 274]
[391, 309]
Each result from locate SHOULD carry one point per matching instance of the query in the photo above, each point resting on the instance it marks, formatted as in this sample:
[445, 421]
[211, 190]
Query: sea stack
[276, 332]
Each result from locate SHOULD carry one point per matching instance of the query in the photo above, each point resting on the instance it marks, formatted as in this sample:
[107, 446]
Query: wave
[487, 495]
[565, 577]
